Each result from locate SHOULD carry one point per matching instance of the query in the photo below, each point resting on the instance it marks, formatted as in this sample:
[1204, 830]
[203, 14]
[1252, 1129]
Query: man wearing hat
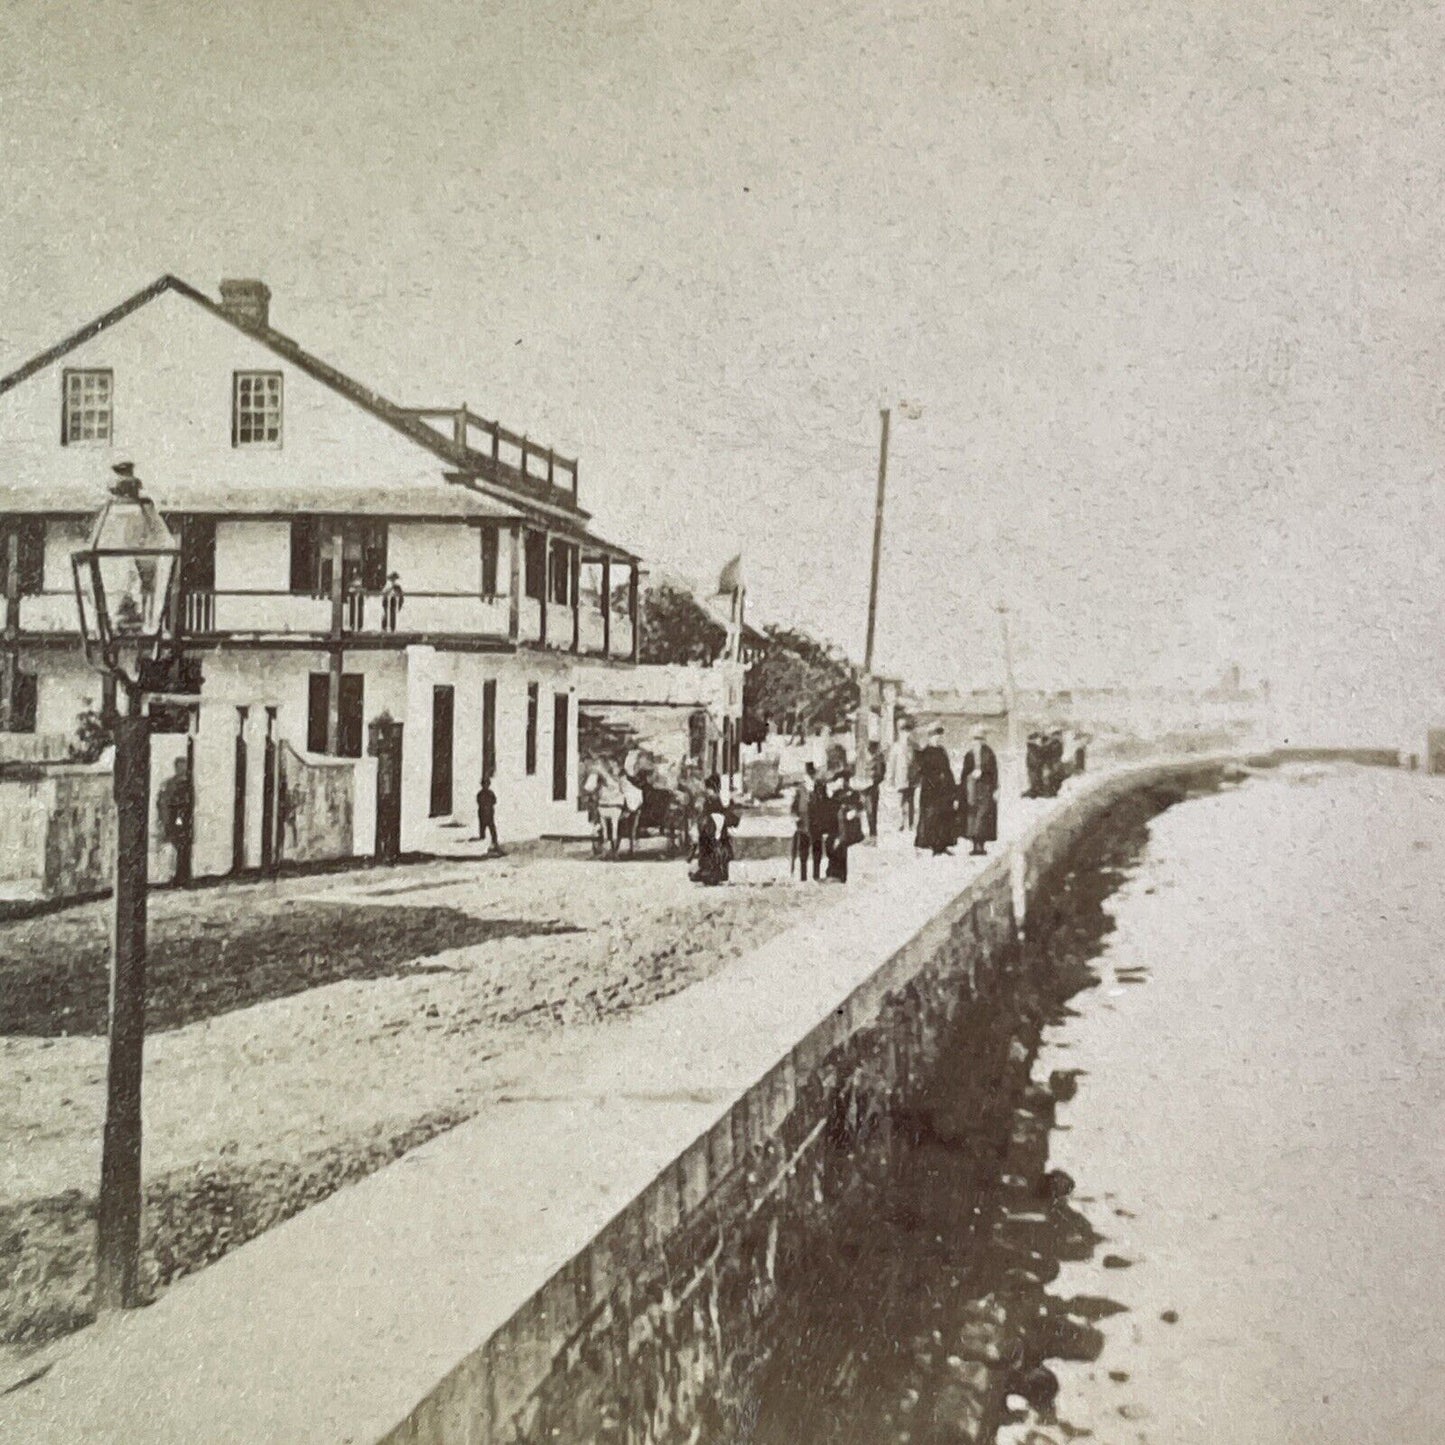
[935, 795]
[979, 787]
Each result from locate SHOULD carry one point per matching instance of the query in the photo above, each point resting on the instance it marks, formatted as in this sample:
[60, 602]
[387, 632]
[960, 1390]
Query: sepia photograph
[722, 723]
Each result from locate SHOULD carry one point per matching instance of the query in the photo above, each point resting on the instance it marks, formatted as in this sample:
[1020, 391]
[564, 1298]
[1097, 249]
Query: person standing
[902, 775]
[935, 796]
[877, 769]
[487, 813]
[802, 829]
[846, 826]
[980, 788]
[392, 600]
[175, 807]
[820, 821]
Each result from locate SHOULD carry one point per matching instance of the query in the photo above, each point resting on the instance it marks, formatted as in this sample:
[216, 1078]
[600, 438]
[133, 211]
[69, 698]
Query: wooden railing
[516, 450]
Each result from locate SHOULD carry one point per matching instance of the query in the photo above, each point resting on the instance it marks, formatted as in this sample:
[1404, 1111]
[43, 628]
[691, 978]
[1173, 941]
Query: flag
[731, 578]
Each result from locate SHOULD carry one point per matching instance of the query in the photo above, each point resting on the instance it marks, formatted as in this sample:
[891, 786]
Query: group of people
[1045, 765]
[951, 808]
[828, 819]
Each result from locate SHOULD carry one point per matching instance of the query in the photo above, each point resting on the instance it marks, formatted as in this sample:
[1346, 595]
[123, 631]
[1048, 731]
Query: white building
[296, 493]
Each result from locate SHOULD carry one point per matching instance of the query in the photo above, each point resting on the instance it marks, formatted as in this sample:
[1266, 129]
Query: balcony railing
[450, 614]
[262, 614]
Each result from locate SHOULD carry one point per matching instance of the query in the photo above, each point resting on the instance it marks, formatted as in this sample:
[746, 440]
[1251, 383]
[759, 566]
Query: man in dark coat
[935, 796]
[822, 812]
[980, 790]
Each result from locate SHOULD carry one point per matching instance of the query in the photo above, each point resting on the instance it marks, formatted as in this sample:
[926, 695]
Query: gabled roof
[468, 469]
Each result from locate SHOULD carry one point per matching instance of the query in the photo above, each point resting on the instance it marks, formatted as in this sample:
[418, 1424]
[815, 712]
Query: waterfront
[1252, 1251]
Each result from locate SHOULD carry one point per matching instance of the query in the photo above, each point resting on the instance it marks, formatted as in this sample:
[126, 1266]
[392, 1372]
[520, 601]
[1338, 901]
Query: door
[443, 705]
[386, 745]
[238, 814]
[489, 727]
[559, 747]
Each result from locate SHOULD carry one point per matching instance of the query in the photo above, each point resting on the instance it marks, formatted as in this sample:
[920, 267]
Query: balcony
[254, 614]
[440, 614]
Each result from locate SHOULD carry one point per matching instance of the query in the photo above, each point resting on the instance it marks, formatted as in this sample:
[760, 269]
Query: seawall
[599, 1256]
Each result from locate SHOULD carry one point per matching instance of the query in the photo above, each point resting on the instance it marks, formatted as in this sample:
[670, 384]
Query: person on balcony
[392, 601]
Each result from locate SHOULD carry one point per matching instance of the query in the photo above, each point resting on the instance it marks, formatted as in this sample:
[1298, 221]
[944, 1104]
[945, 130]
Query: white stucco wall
[173, 363]
[435, 556]
[253, 555]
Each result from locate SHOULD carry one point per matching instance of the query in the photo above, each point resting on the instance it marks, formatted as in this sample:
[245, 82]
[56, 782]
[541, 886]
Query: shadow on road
[228, 953]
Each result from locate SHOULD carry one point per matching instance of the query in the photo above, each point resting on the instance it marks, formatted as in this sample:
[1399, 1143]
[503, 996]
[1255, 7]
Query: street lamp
[912, 411]
[122, 590]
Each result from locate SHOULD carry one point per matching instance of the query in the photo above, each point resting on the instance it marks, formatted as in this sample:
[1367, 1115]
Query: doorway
[443, 712]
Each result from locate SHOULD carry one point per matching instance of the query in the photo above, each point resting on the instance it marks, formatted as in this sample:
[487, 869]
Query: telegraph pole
[1010, 689]
[865, 678]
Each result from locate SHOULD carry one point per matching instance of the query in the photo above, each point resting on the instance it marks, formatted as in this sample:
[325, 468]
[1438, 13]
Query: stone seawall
[654, 1331]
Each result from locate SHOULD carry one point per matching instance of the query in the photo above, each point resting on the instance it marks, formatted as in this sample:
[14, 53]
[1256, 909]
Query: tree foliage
[675, 627]
[800, 684]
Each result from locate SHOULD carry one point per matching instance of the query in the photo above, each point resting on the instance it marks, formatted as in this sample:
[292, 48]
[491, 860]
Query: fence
[316, 805]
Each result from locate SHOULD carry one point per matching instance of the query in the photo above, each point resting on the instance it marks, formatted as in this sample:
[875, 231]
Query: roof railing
[515, 450]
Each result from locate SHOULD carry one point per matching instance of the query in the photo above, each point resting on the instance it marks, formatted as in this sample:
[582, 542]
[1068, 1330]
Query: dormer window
[256, 409]
[86, 412]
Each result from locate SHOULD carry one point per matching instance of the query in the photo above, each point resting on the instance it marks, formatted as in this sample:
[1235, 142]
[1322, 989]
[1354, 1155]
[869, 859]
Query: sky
[1163, 280]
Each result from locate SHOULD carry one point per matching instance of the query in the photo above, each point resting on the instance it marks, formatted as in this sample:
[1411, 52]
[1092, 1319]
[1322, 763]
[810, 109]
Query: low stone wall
[653, 1332]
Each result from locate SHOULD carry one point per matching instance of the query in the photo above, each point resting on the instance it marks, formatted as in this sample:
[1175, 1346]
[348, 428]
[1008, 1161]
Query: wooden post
[551, 463]
[459, 426]
[607, 607]
[632, 609]
[523, 465]
[514, 621]
[496, 441]
[118, 1214]
[10, 675]
[546, 584]
[574, 570]
[338, 605]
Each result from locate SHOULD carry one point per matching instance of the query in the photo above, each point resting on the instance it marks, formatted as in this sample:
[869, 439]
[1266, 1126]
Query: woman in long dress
[714, 836]
[980, 773]
[935, 796]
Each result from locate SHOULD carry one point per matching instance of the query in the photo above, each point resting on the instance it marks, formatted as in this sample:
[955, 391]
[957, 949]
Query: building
[297, 495]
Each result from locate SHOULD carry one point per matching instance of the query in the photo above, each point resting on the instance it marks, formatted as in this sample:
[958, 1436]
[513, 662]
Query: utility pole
[1010, 690]
[865, 678]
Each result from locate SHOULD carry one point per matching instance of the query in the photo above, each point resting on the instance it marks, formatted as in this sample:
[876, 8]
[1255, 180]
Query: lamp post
[122, 588]
[865, 677]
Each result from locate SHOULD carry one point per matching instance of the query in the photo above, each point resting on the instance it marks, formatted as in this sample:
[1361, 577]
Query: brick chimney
[247, 301]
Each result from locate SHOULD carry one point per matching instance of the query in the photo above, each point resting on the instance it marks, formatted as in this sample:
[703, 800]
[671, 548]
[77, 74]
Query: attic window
[86, 412]
[256, 409]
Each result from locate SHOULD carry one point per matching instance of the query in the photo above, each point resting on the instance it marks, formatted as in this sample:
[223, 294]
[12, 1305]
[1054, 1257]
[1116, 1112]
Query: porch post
[607, 607]
[9, 677]
[574, 577]
[338, 605]
[546, 584]
[632, 608]
[514, 621]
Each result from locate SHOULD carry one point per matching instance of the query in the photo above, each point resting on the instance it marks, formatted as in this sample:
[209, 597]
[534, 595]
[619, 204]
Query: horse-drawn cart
[634, 810]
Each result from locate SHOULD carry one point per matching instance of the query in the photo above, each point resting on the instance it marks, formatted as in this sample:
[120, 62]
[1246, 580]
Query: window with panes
[87, 411]
[256, 409]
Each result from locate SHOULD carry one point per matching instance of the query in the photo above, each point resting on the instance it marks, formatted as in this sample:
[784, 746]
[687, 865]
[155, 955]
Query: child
[487, 813]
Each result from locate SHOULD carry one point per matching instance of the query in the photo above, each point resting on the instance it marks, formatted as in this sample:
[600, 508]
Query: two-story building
[343, 559]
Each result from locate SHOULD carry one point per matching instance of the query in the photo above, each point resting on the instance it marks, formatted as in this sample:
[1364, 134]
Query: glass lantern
[123, 578]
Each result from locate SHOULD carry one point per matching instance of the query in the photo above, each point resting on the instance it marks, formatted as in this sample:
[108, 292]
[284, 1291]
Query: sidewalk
[331, 1326]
